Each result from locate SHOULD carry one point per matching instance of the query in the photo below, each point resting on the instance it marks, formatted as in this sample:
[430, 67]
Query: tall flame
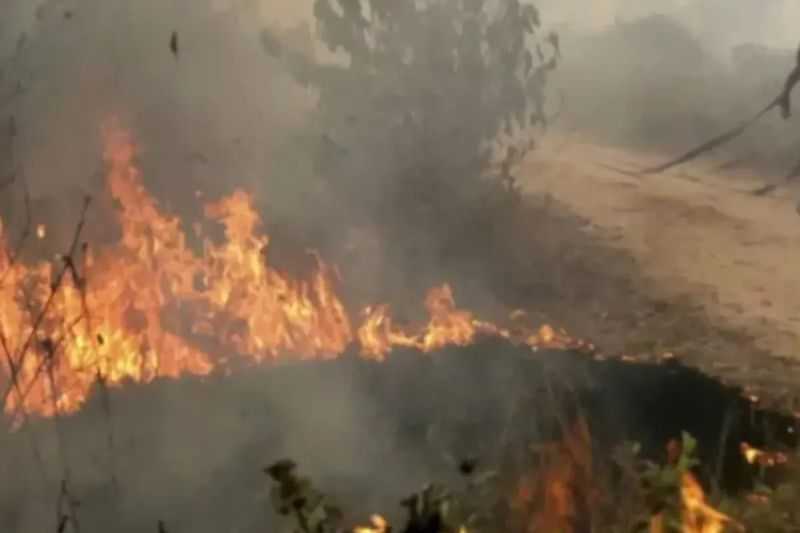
[151, 306]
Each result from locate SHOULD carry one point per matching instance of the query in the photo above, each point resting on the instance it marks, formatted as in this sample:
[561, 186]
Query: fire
[556, 497]
[698, 515]
[151, 306]
[448, 326]
[755, 456]
[378, 524]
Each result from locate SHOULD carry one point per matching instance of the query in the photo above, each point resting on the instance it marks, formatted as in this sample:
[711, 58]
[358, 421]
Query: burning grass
[552, 442]
[143, 359]
[565, 485]
[151, 306]
[151, 309]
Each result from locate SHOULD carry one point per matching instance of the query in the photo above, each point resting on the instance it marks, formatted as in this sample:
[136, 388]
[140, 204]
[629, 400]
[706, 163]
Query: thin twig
[37, 454]
[56, 285]
[727, 424]
[31, 382]
[80, 283]
[66, 509]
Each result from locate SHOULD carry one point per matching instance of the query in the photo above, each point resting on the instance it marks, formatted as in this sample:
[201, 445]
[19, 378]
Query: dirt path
[692, 232]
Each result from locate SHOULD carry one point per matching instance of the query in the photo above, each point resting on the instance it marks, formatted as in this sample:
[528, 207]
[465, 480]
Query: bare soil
[687, 263]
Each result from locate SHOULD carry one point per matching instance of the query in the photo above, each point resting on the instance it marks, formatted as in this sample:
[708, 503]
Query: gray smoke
[666, 76]
[216, 112]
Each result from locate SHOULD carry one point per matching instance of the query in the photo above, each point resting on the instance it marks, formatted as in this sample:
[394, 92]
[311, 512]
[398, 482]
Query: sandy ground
[693, 231]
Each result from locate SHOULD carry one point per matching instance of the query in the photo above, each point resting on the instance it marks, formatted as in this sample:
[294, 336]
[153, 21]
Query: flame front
[151, 306]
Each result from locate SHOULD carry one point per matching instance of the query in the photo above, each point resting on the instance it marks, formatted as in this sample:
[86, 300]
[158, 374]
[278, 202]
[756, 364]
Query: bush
[410, 108]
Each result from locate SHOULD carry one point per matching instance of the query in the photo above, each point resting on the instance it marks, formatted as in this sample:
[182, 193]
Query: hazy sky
[721, 23]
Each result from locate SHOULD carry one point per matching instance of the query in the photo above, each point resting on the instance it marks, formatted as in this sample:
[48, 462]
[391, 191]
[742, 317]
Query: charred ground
[190, 452]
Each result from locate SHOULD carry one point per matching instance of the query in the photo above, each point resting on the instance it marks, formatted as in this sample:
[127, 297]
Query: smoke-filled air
[432, 266]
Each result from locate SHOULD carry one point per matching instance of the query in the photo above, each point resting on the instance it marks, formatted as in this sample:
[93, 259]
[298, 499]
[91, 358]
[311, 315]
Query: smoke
[665, 76]
[223, 113]
[210, 111]
[368, 434]
[212, 114]
[718, 23]
[216, 115]
[216, 112]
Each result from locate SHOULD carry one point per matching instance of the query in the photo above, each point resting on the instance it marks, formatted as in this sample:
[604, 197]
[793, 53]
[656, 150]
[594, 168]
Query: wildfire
[151, 306]
[698, 515]
[554, 498]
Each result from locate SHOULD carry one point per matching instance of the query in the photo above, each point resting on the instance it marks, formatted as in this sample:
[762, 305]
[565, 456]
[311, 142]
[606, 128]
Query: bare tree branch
[782, 101]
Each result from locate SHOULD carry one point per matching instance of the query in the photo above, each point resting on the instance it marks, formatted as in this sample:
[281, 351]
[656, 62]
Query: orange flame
[698, 515]
[448, 325]
[555, 497]
[755, 456]
[152, 307]
[378, 524]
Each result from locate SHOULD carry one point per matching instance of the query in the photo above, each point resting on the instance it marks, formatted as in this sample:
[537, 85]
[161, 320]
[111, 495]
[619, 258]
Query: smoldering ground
[190, 453]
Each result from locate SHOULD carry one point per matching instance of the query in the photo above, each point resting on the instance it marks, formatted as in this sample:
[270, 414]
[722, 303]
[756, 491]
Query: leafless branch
[713, 143]
[782, 101]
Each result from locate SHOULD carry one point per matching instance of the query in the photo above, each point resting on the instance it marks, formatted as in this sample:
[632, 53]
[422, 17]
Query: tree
[412, 104]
